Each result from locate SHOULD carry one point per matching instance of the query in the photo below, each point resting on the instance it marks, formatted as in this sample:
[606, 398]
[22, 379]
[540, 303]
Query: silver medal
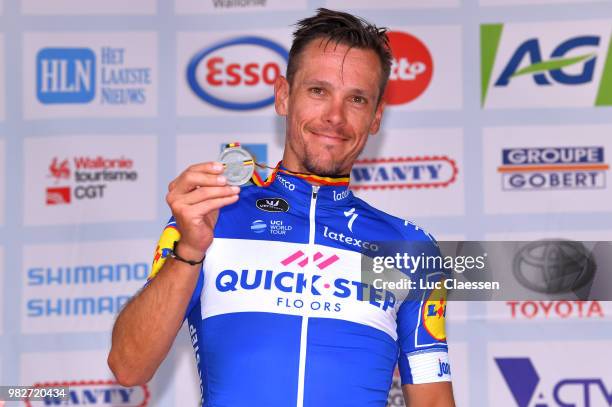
[239, 164]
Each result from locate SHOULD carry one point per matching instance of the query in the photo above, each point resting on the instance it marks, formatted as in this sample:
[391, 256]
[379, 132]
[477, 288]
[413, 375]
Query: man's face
[331, 107]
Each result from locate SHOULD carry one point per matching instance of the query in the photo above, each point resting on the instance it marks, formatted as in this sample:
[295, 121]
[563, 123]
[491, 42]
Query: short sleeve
[421, 328]
[169, 235]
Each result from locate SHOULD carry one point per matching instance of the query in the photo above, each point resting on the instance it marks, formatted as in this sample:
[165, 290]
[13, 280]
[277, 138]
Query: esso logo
[411, 68]
[238, 74]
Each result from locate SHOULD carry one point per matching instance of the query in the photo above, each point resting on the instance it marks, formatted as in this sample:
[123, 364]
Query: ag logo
[411, 68]
[272, 205]
[434, 314]
[546, 65]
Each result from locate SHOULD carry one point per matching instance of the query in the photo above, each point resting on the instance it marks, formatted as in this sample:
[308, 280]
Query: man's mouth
[329, 137]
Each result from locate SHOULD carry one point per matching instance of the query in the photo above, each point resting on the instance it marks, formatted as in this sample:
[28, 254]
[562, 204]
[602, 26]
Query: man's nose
[335, 114]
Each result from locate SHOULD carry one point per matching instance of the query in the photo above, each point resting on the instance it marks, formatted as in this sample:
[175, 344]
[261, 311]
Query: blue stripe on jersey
[347, 364]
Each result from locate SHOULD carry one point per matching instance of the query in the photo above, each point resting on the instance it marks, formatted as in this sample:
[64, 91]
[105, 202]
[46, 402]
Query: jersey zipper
[304, 330]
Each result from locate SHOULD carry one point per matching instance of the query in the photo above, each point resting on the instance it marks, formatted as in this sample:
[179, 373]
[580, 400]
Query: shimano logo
[286, 184]
[340, 237]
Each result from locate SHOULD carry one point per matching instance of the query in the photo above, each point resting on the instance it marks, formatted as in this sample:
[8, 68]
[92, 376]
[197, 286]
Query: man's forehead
[328, 54]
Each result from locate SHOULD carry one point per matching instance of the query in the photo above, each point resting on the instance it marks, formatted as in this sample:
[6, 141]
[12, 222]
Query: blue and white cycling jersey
[278, 316]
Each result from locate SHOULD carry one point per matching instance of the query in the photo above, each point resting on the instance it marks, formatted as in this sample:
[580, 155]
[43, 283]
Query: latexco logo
[89, 179]
[523, 380]
[237, 74]
[99, 393]
[411, 69]
[546, 65]
[73, 76]
[538, 168]
[404, 172]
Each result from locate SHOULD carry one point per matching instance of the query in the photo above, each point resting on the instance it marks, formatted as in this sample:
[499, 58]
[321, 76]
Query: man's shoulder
[402, 229]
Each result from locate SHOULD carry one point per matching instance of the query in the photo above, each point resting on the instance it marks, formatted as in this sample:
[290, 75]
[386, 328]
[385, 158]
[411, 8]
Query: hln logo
[65, 75]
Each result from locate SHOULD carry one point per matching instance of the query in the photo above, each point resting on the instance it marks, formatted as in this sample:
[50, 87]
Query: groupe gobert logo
[404, 172]
[237, 74]
[545, 63]
[553, 168]
[95, 392]
[411, 68]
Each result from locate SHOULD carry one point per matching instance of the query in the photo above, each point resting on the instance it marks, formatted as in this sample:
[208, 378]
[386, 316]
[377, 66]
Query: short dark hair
[341, 28]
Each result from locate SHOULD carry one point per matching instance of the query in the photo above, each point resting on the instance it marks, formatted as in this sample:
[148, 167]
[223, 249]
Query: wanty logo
[97, 393]
[522, 380]
[69, 75]
[411, 68]
[286, 281]
[404, 172]
[549, 62]
[538, 168]
[90, 177]
[237, 74]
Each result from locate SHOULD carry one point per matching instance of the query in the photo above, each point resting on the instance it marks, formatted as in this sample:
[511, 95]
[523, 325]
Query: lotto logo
[411, 68]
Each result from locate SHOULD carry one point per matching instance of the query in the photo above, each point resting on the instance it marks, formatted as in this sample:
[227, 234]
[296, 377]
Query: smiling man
[277, 312]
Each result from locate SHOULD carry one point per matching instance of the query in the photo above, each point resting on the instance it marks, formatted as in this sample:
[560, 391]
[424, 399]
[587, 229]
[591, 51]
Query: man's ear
[281, 96]
[375, 126]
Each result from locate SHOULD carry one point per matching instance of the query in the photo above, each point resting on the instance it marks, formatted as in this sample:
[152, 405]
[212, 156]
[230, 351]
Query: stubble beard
[314, 165]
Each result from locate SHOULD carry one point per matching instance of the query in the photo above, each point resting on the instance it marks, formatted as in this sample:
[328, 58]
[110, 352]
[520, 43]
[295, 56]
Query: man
[279, 319]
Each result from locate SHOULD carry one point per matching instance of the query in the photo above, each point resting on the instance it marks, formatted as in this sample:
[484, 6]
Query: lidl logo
[65, 75]
[434, 314]
[546, 65]
[164, 245]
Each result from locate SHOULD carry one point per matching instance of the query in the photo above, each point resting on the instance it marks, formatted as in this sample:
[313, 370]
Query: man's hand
[195, 197]
[429, 395]
[146, 328]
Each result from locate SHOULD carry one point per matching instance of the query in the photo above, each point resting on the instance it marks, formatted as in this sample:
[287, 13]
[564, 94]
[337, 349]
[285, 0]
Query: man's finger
[205, 207]
[190, 180]
[207, 193]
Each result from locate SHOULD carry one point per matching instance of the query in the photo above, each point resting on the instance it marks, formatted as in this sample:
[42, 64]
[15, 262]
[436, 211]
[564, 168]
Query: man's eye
[316, 91]
[359, 99]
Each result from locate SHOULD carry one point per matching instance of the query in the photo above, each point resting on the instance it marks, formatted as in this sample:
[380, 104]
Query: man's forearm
[146, 328]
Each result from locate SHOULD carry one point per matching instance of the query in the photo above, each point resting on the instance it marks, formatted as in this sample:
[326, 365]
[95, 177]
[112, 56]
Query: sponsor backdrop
[498, 127]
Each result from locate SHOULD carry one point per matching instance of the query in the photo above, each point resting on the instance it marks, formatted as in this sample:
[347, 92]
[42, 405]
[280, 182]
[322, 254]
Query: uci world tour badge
[239, 164]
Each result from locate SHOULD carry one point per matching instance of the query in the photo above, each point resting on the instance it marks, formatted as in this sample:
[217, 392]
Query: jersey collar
[331, 189]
